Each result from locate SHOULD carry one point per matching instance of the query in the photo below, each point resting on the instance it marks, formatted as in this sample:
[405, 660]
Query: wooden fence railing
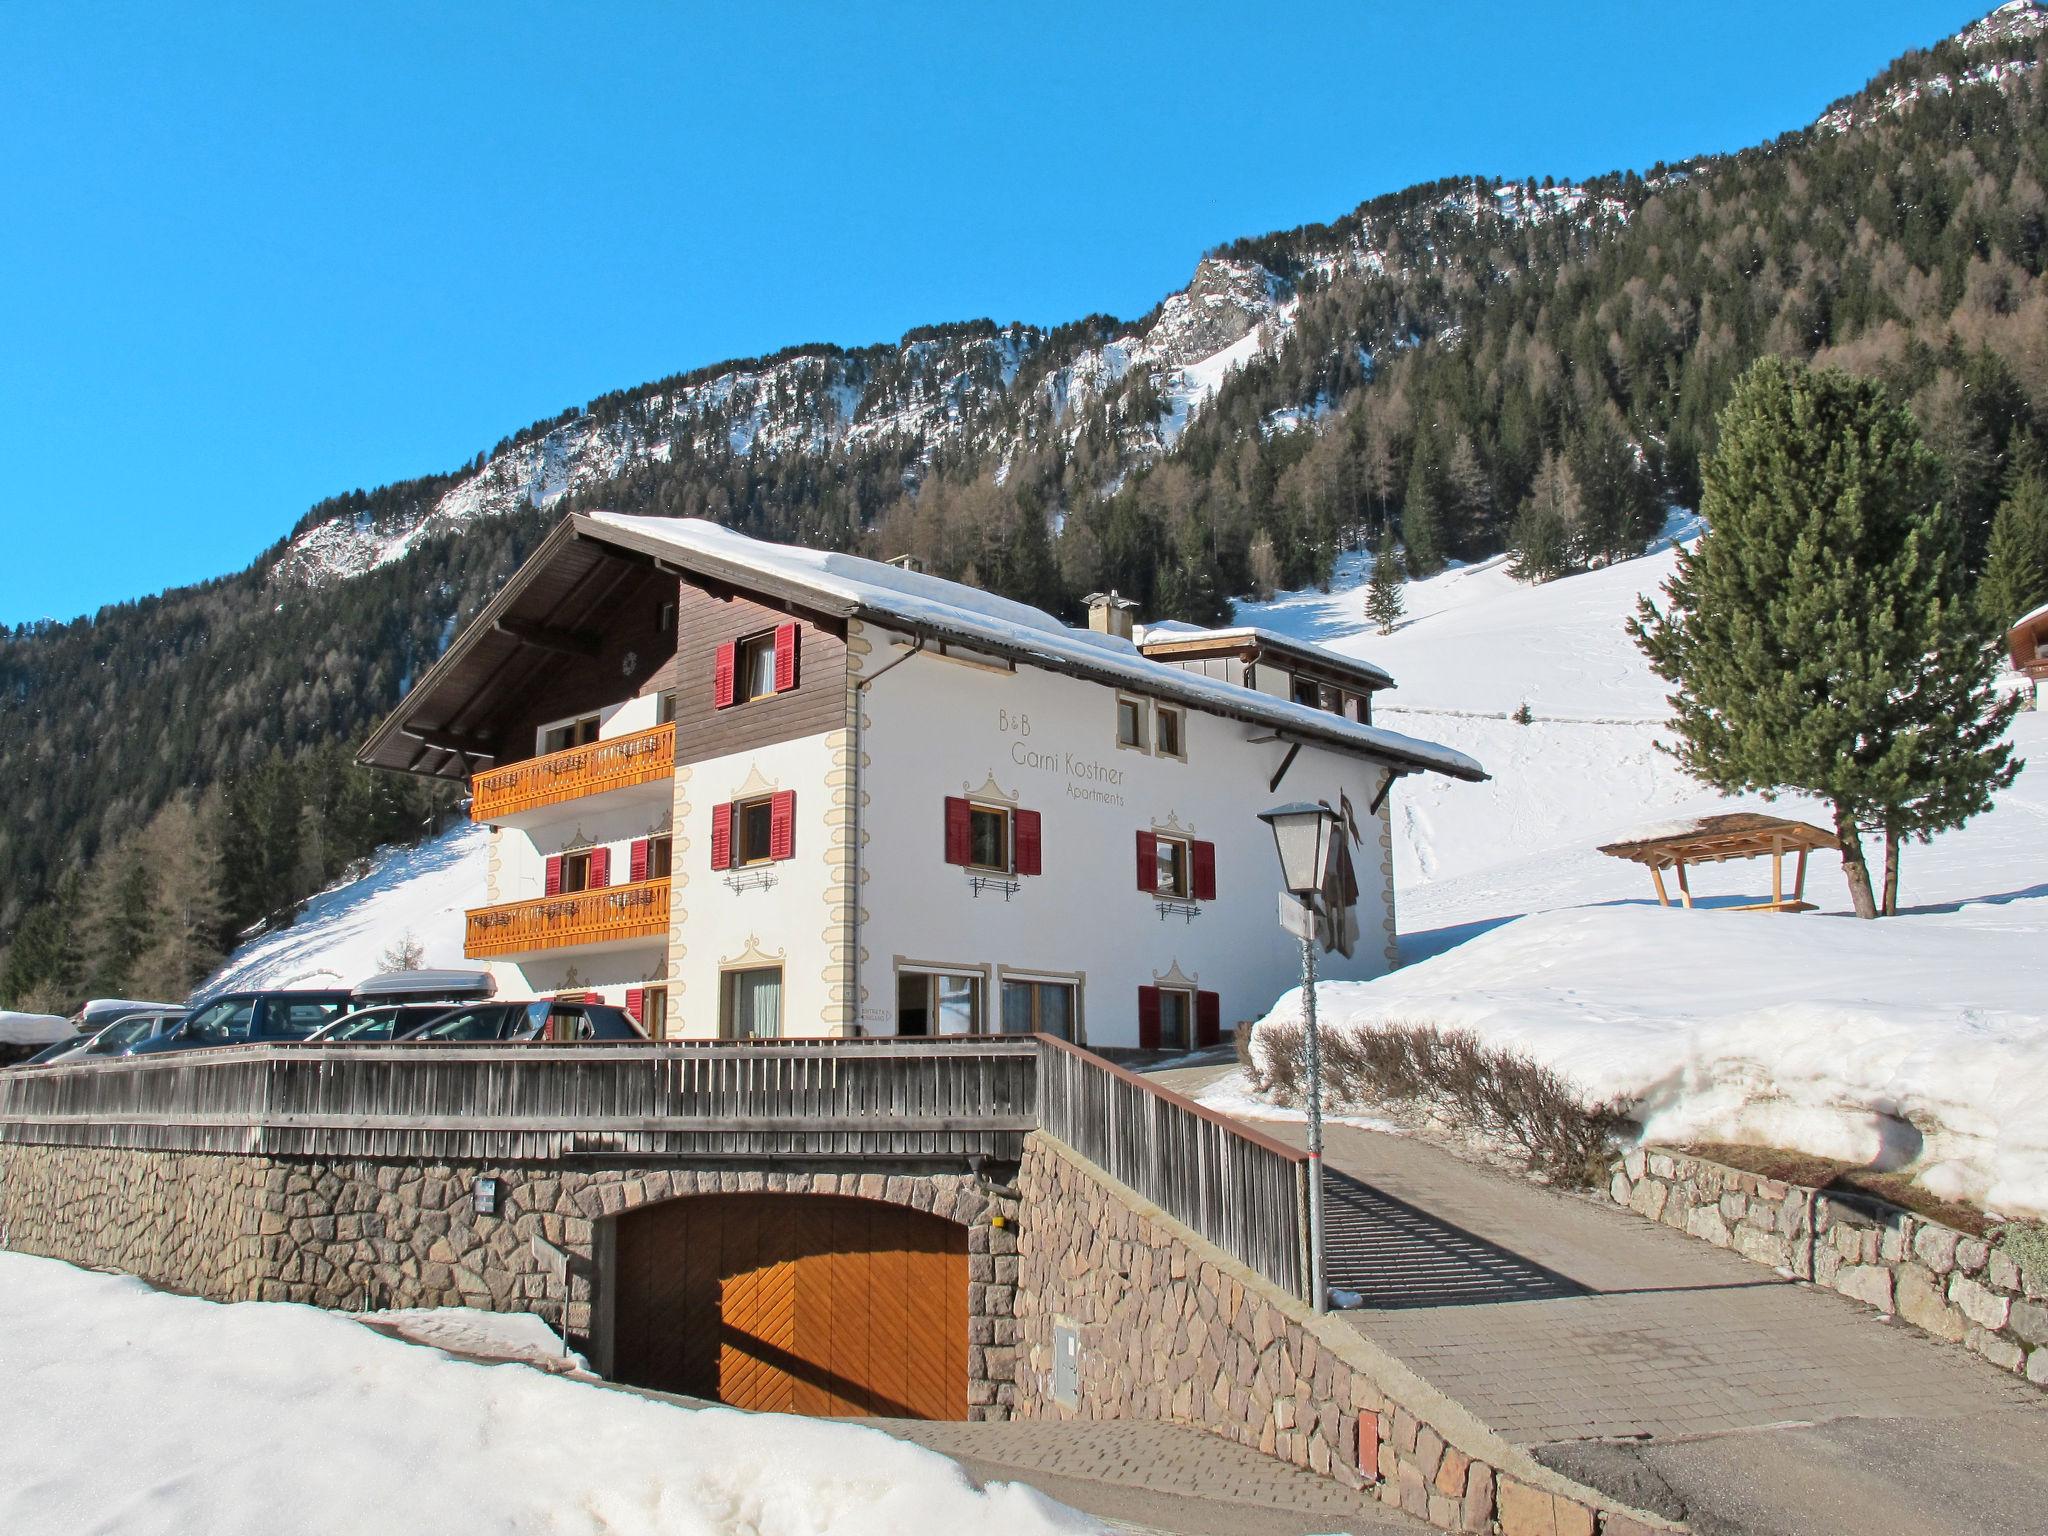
[641, 758]
[638, 911]
[974, 1097]
[513, 1103]
[1244, 1192]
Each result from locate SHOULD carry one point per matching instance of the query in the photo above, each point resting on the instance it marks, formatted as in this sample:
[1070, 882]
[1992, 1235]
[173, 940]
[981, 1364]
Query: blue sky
[255, 255]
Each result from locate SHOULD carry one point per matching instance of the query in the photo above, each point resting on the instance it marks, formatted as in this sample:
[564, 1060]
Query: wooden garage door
[816, 1304]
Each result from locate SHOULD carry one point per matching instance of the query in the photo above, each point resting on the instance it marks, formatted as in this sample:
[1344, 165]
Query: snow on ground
[135, 1411]
[343, 934]
[519, 1336]
[1915, 1040]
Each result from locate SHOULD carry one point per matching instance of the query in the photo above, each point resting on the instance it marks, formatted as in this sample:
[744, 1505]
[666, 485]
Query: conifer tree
[1383, 602]
[2015, 580]
[1820, 637]
[1422, 519]
[1547, 528]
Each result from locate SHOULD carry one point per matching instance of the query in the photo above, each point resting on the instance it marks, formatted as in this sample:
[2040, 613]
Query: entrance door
[815, 1304]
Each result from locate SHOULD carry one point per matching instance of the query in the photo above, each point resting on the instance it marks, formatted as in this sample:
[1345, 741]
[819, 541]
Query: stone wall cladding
[355, 1234]
[1947, 1283]
[1172, 1328]
[187, 1221]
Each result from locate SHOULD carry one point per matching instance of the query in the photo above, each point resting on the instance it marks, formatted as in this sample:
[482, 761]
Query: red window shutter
[782, 824]
[1148, 867]
[1208, 1019]
[1148, 1018]
[554, 880]
[637, 869]
[1029, 858]
[721, 837]
[722, 674]
[1204, 861]
[600, 868]
[636, 1004]
[958, 840]
[787, 639]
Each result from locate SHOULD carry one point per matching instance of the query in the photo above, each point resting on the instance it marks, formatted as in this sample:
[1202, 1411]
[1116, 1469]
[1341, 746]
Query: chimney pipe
[1110, 614]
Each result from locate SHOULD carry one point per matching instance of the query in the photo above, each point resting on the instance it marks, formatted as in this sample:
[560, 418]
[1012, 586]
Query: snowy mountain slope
[1918, 1041]
[978, 391]
[2009, 31]
[343, 934]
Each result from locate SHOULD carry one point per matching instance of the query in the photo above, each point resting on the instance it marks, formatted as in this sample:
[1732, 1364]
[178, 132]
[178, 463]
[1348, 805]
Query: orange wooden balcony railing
[638, 911]
[619, 763]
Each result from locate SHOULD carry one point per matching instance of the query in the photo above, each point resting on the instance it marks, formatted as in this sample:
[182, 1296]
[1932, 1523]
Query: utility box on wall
[1066, 1365]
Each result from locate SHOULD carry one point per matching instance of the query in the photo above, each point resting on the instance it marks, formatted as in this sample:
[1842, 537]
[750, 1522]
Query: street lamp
[1305, 836]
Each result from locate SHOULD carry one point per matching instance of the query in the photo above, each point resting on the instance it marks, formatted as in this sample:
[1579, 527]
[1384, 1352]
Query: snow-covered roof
[2029, 617]
[851, 586]
[33, 1028]
[1175, 632]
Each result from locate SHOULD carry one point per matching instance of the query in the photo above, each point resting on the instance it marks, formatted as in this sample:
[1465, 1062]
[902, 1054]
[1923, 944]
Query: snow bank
[519, 1336]
[341, 937]
[1917, 1042]
[130, 1410]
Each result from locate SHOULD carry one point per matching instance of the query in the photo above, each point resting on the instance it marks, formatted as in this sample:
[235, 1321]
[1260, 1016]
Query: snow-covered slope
[265, 1417]
[1921, 1040]
[342, 936]
[2007, 31]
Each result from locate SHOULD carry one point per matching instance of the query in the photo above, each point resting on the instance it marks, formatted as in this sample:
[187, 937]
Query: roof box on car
[426, 987]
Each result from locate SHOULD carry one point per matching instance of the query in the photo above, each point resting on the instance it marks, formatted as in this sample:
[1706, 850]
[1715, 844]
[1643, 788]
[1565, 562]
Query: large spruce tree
[1821, 637]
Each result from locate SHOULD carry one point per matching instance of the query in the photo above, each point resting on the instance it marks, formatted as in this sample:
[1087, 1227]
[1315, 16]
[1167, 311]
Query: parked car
[379, 1025]
[122, 1036]
[449, 987]
[61, 1050]
[243, 1018]
[544, 1019]
[102, 1011]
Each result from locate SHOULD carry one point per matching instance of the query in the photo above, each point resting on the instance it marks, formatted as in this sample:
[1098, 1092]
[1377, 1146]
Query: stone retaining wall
[1172, 1328]
[1954, 1286]
[357, 1234]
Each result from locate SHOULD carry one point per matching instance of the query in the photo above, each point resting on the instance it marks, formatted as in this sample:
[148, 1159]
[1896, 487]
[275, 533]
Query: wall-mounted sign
[486, 1197]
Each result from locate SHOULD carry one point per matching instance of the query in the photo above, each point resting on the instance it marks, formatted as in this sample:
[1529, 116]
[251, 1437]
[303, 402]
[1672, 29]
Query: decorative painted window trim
[1143, 705]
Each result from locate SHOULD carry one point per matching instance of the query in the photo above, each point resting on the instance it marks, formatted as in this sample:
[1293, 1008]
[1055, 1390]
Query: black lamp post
[1304, 836]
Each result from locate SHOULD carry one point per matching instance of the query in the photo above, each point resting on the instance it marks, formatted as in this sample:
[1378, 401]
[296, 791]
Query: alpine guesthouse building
[745, 790]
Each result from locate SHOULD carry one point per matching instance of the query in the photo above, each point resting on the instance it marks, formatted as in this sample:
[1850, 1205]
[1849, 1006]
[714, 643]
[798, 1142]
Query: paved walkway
[1558, 1320]
[1156, 1477]
[1138, 1477]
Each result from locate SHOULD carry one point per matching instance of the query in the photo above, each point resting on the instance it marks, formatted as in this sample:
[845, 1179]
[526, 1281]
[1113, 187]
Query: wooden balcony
[581, 918]
[644, 757]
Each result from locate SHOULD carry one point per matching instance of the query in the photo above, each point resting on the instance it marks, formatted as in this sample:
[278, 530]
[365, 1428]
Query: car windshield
[469, 1024]
[222, 1023]
[370, 1024]
[127, 1032]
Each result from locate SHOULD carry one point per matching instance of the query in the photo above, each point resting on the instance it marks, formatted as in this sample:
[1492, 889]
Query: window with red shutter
[1148, 1018]
[959, 828]
[722, 673]
[636, 1003]
[782, 824]
[1208, 1019]
[600, 868]
[1148, 861]
[788, 637]
[553, 885]
[1029, 858]
[721, 837]
[1205, 871]
[637, 863]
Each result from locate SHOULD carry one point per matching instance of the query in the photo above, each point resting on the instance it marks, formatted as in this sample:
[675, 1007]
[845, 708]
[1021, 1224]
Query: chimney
[1110, 614]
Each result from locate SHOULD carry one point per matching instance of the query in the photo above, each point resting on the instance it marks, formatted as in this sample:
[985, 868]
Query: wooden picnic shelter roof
[1735, 835]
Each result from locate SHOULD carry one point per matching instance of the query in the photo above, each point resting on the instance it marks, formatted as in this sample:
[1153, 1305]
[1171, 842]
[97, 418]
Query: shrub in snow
[1451, 1074]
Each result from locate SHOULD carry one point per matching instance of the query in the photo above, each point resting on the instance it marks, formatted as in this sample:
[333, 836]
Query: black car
[546, 1019]
[246, 1018]
[378, 1025]
[122, 1037]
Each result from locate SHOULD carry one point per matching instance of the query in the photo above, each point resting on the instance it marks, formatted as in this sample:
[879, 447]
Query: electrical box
[1066, 1365]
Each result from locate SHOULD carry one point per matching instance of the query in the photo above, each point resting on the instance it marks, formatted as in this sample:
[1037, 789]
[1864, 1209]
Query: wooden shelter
[2027, 644]
[1737, 835]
